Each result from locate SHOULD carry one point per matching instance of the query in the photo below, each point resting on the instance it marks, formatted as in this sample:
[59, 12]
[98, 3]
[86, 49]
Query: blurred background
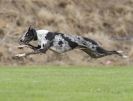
[109, 22]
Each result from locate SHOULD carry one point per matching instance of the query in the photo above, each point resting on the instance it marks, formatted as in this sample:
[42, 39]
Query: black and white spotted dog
[60, 43]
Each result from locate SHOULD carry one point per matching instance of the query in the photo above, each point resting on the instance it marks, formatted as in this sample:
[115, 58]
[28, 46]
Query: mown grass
[44, 83]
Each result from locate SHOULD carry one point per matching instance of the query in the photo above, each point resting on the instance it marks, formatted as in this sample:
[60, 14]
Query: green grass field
[51, 83]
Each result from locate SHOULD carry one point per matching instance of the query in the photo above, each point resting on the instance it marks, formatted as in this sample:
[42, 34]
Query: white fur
[41, 37]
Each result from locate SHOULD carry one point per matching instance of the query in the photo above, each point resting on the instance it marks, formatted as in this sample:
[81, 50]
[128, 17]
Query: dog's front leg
[29, 46]
[30, 53]
[36, 51]
[33, 47]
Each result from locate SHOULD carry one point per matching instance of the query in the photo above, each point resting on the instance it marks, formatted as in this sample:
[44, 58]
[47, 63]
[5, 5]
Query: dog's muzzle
[22, 42]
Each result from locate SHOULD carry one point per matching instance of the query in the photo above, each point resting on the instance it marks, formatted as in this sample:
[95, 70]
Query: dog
[60, 43]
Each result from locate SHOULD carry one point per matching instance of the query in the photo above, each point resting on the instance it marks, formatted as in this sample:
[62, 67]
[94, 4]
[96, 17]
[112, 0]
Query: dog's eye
[27, 34]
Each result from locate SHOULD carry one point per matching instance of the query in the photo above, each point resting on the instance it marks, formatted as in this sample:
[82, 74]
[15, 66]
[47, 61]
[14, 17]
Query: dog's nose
[20, 41]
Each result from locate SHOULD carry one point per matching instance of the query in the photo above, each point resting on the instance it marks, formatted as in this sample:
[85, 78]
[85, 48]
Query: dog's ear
[29, 28]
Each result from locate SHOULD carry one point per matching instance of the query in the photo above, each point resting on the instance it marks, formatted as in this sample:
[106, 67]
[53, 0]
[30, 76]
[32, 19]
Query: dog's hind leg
[95, 51]
[100, 52]
[106, 52]
[90, 52]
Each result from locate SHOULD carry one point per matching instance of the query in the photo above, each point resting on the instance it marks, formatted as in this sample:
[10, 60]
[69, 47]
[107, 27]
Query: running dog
[60, 43]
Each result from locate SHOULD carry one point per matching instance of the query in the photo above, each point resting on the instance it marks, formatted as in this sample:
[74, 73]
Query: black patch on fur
[101, 50]
[84, 43]
[35, 34]
[90, 40]
[50, 36]
[70, 42]
[60, 43]
[78, 38]
[43, 45]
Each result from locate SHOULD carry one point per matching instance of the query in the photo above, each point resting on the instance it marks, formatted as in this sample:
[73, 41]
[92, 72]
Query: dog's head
[30, 35]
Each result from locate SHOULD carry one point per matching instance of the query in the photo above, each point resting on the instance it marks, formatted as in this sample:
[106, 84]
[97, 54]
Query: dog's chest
[60, 45]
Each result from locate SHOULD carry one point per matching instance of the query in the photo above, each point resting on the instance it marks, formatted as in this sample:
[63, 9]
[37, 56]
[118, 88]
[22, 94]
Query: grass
[51, 83]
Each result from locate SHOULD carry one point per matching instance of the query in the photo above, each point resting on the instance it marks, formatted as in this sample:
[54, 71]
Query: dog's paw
[122, 54]
[120, 51]
[125, 56]
[20, 55]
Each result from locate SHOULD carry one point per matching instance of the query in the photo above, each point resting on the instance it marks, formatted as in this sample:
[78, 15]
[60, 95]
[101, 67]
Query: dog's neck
[41, 34]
